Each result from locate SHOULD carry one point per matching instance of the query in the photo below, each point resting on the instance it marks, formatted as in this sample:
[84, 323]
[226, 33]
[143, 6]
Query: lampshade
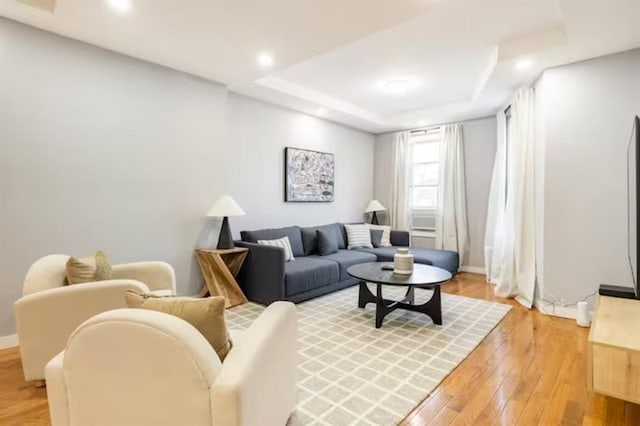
[225, 206]
[374, 206]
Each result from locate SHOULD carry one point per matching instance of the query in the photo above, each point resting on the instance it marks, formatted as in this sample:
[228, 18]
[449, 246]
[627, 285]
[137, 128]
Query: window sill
[422, 233]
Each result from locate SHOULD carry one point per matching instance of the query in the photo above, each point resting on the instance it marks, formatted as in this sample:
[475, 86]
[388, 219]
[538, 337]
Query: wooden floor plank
[530, 370]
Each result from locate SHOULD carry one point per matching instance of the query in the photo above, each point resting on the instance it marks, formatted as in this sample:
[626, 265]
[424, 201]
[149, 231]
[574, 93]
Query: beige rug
[354, 374]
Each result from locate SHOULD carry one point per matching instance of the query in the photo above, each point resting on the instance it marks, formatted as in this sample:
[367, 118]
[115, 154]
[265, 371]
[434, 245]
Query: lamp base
[226, 240]
[374, 219]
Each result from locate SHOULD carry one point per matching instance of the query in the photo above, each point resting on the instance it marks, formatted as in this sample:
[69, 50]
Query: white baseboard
[472, 269]
[8, 341]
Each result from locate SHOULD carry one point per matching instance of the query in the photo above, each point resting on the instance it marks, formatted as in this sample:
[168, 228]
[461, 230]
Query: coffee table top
[423, 275]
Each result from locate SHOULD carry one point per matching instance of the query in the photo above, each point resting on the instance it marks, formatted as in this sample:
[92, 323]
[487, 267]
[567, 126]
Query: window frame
[427, 136]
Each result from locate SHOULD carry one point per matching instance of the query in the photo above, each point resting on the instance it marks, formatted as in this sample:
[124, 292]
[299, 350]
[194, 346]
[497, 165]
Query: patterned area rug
[354, 374]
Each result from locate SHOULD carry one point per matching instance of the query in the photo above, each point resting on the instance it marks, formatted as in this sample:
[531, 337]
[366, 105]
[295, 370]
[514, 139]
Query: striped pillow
[358, 236]
[283, 243]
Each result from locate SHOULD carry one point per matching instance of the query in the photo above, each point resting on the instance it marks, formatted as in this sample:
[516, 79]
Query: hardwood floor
[530, 370]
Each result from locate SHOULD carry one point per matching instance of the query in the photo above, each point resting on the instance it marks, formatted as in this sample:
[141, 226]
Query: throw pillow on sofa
[206, 315]
[386, 234]
[88, 269]
[327, 242]
[358, 236]
[376, 237]
[283, 243]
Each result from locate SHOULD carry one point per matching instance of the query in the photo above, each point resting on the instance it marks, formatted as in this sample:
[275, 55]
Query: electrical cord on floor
[554, 303]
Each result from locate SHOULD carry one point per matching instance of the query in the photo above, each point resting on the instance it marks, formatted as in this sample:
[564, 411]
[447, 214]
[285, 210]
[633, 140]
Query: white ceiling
[334, 57]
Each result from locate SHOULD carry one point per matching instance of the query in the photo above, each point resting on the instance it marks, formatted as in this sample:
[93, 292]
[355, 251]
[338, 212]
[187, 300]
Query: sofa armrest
[46, 319]
[57, 392]
[400, 238]
[262, 274]
[257, 383]
[156, 275]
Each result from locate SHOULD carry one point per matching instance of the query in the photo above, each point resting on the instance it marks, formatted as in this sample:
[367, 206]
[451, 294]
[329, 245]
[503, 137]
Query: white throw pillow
[358, 236]
[283, 243]
[385, 241]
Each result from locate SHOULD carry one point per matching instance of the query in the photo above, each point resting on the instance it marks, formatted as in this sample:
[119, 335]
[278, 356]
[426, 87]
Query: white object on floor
[141, 367]
[582, 317]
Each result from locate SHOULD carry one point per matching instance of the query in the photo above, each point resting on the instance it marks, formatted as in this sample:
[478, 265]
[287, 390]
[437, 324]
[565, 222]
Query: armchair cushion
[206, 315]
[89, 269]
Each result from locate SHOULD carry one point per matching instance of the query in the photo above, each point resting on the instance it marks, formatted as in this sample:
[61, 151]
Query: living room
[491, 139]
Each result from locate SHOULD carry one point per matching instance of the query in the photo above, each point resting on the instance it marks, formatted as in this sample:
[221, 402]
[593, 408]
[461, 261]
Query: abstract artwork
[309, 176]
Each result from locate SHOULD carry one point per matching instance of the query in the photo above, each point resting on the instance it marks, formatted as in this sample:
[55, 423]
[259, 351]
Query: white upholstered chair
[49, 310]
[141, 367]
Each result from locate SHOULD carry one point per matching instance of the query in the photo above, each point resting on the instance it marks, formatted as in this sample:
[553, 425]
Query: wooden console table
[614, 349]
[219, 269]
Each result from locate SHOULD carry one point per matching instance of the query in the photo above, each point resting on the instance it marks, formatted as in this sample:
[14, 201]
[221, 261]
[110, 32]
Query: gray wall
[586, 111]
[480, 145]
[102, 151]
[258, 134]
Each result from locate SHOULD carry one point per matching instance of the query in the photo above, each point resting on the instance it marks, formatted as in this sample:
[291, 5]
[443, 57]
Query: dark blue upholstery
[347, 258]
[293, 232]
[308, 273]
[309, 238]
[444, 259]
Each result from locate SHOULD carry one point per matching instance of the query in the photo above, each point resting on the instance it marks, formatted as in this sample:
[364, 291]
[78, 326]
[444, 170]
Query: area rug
[351, 373]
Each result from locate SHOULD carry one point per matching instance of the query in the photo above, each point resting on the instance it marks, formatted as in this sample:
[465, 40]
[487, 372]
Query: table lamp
[373, 207]
[225, 207]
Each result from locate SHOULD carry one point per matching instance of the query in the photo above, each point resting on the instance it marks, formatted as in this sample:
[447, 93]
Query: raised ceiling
[335, 57]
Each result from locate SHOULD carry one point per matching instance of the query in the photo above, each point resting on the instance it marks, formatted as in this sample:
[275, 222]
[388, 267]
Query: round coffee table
[423, 276]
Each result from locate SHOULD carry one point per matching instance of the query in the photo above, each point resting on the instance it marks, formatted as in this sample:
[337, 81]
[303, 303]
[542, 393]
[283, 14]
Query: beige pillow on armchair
[206, 315]
[88, 269]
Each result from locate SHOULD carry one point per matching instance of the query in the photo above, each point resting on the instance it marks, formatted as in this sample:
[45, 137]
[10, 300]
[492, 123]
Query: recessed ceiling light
[524, 63]
[397, 86]
[321, 111]
[265, 60]
[121, 6]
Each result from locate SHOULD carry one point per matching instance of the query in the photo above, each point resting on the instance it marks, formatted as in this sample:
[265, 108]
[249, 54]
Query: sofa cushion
[308, 273]
[376, 237]
[310, 241]
[347, 258]
[444, 259]
[293, 232]
[327, 242]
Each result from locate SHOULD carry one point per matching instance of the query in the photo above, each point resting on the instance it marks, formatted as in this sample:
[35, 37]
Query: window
[425, 156]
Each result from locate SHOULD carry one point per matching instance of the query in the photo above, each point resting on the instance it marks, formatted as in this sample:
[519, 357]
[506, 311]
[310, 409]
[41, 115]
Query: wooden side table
[219, 268]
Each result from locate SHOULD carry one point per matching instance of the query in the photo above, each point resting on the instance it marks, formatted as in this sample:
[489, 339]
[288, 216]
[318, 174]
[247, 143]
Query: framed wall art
[309, 176]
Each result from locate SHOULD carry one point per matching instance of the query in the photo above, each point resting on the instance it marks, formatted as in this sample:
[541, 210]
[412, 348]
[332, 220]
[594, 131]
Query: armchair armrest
[400, 238]
[57, 392]
[156, 275]
[262, 274]
[46, 319]
[257, 383]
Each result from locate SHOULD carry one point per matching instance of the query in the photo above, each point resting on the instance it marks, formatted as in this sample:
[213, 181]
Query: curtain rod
[431, 129]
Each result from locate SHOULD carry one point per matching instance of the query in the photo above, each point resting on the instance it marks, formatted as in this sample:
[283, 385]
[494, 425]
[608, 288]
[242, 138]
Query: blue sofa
[266, 277]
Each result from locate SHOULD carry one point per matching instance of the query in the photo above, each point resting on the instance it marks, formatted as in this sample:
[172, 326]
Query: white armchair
[49, 311]
[141, 367]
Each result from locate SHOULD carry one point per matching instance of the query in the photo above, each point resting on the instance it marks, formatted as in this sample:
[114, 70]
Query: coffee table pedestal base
[432, 308]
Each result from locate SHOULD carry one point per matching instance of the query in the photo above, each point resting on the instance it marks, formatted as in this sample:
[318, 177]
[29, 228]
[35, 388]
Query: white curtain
[401, 180]
[451, 213]
[511, 234]
[494, 233]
